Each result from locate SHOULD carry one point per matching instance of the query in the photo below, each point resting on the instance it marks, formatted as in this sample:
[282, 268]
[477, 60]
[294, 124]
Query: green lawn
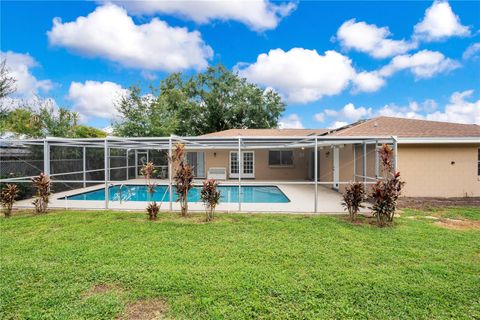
[238, 267]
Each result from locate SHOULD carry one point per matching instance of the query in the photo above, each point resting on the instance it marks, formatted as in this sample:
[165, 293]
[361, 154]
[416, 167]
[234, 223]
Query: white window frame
[244, 175]
[281, 165]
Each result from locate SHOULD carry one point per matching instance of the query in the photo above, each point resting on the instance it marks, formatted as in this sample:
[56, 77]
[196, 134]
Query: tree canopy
[36, 118]
[47, 121]
[214, 100]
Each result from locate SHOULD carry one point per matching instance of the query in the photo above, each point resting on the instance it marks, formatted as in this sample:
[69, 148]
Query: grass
[238, 267]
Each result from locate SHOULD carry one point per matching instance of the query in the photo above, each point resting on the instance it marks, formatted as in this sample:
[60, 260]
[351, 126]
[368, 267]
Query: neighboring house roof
[266, 132]
[407, 128]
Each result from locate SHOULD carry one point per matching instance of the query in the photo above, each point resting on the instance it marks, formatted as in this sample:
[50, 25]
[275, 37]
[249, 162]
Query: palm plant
[183, 177]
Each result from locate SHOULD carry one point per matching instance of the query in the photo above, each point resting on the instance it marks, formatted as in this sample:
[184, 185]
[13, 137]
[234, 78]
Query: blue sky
[410, 59]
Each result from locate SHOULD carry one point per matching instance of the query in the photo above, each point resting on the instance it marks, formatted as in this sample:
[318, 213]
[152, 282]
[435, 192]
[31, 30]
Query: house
[436, 159]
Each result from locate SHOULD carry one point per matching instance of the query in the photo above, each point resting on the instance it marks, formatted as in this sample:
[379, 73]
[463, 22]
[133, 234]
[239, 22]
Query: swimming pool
[249, 194]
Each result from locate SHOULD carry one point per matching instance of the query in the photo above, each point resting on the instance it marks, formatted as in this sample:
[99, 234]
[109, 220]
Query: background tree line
[214, 100]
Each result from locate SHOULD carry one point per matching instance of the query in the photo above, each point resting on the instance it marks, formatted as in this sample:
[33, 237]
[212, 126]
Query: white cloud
[338, 124]
[423, 64]
[258, 15]
[95, 99]
[348, 114]
[368, 82]
[371, 39]
[110, 33]
[291, 121]
[459, 109]
[300, 75]
[439, 23]
[19, 66]
[472, 52]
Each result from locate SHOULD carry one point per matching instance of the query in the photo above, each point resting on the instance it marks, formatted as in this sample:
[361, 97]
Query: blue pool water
[249, 194]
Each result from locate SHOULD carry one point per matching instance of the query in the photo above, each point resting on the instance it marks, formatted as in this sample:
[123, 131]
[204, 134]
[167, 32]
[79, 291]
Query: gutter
[440, 140]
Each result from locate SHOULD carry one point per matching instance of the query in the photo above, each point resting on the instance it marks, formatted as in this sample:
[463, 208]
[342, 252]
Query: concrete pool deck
[301, 199]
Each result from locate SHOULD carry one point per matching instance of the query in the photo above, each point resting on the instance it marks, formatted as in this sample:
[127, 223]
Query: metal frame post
[107, 173]
[46, 157]
[354, 162]
[316, 175]
[240, 169]
[377, 169]
[136, 164]
[395, 154]
[170, 166]
[364, 163]
[84, 149]
[126, 158]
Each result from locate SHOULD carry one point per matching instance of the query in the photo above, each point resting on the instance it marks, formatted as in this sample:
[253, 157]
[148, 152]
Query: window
[280, 158]
[478, 162]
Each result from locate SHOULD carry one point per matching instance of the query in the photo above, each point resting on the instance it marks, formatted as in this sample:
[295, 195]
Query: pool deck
[301, 200]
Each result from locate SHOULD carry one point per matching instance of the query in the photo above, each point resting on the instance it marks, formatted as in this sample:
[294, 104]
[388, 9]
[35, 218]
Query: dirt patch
[430, 203]
[102, 288]
[148, 309]
[455, 224]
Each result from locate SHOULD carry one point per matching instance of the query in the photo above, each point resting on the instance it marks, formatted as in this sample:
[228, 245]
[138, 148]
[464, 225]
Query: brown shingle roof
[266, 132]
[407, 128]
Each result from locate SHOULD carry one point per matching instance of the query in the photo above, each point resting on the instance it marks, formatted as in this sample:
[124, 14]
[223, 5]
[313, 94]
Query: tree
[143, 116]
[214, 100]
[7, 81]
[46, 121]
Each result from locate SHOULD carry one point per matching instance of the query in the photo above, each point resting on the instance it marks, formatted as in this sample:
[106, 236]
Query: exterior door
[336, 168]
[248, 165]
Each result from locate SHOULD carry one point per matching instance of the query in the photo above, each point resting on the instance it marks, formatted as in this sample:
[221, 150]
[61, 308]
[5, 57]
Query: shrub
[387, 190]
[42, 184]
[152, 211]
[147, 171]
[210, 197]
[183, 177]
[353, 197]
[7, 198]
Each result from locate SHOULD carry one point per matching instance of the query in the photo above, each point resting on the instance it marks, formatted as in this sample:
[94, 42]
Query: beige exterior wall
[428, 170]
[299, 170]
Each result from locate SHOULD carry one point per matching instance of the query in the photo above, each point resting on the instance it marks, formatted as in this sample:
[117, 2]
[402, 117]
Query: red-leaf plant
[353, 197]
[43, 185]
[7, 198]
[210, 196]
[183, 177]
[152, 210]
[387, 190]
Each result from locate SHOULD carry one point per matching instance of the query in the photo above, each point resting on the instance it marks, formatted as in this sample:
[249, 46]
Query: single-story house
[436, 159]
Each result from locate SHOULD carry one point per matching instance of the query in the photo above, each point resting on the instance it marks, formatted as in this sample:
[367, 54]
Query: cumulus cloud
[292, 121]
[423, 64]
[472, 52]
[439, 23]
[95, 99]
[108, 32]
[20, 67]
[348, 114]
[371, 39]
[300, 75]
[461, 108]
[368, 82]
[258, 15]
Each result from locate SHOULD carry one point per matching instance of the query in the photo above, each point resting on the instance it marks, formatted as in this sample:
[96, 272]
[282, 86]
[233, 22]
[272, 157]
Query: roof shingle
[407, 128]
[266, 132]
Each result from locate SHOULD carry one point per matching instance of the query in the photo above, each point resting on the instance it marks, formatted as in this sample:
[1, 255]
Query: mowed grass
[238, 267]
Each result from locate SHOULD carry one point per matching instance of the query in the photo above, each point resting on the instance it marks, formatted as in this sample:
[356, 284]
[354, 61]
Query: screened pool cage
[76, 165]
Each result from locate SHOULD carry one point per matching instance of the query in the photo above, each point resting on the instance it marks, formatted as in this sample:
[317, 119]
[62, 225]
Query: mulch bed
[426, 203]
